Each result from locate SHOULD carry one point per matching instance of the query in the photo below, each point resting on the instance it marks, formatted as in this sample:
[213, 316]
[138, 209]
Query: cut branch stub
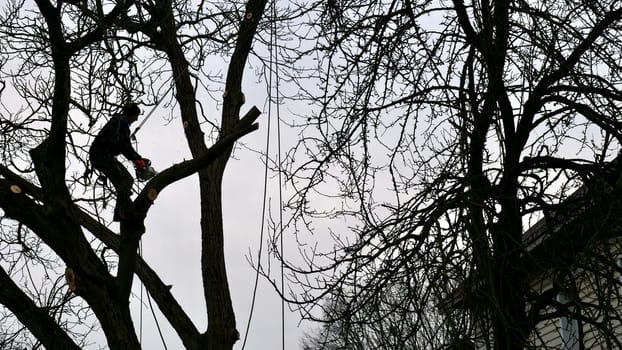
[70, 278]
[15, 189]
[152, 194]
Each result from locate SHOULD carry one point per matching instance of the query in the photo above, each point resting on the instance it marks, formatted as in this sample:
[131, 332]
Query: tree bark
[222, 332]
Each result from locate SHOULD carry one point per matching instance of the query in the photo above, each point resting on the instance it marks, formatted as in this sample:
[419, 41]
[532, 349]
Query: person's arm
[126, 145]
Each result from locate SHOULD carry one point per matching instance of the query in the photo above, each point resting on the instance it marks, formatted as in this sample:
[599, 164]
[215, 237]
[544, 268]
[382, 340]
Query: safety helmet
[131, 109]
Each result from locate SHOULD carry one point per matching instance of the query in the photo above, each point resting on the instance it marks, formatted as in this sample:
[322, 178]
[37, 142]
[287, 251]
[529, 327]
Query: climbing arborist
[114, 139]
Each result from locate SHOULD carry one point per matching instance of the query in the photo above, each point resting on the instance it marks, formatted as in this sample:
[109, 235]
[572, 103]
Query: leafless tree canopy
[434, 134]
[444, 130]
[65, 68]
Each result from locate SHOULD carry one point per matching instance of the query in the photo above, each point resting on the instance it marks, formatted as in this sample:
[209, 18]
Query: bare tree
[70, 64]
[384, 323]
[442, 130]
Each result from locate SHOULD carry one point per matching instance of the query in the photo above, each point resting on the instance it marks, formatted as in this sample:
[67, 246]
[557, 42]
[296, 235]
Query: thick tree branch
[222, 332]
[535, 101]
[189, 167]
[465, 23]
[132, 228]
[169, 306]
[61, 232]
[36, 319]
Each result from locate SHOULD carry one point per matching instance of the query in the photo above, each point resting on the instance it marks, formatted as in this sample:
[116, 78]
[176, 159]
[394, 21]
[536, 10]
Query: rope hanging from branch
[272, 88]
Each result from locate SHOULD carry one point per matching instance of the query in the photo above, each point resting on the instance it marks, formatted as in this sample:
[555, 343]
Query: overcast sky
[171, 244]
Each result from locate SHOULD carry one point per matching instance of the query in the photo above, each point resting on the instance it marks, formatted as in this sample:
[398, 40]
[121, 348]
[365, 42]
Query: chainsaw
[147, 172]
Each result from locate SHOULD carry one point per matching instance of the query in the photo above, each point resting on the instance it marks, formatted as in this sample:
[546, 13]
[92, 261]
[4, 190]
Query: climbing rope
[144, 120]
[155, 319]
[263, 215]
[142, 287]
[278, 152]
[272, 64]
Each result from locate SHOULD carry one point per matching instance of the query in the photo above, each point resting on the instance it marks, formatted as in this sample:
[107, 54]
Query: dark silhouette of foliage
[440, 132]
[65, 67]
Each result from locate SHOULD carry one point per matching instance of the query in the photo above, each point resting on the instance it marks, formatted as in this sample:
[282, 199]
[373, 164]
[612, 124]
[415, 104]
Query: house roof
[555, 220]
[567, 228]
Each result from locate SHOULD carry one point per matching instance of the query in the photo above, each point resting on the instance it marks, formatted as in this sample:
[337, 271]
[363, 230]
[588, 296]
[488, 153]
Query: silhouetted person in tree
[112, 140]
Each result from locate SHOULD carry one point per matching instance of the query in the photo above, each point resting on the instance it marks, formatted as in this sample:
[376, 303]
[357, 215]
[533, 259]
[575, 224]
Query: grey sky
[171, 244]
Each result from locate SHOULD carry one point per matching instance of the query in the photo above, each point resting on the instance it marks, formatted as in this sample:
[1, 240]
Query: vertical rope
[140, 323]
[156, 322]
[264, 204]
[140, 327]
[140, 318]
[278, 133]
[261, 231]
[273, 72]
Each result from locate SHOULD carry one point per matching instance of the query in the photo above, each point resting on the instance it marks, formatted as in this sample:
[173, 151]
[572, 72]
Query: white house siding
[605, 308]
[547, 333]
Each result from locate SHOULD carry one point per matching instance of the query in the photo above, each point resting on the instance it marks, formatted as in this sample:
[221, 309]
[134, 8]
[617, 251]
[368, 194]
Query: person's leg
[122, 181]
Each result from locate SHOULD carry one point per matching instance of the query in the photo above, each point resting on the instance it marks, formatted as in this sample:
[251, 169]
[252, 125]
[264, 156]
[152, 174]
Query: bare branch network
[453, 175]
